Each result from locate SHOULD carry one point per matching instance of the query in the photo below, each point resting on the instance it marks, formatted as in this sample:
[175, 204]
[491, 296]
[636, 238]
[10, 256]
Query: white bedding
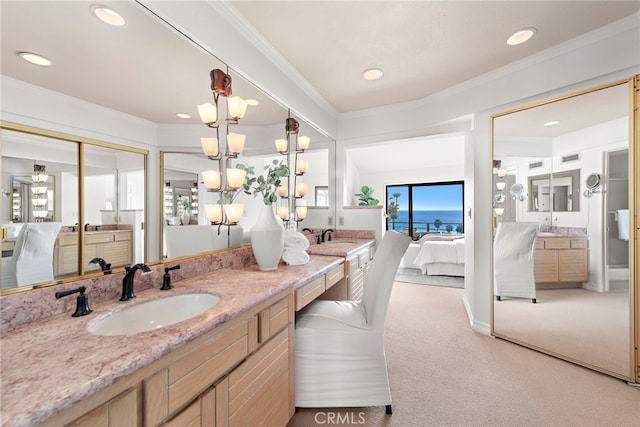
[441, 257]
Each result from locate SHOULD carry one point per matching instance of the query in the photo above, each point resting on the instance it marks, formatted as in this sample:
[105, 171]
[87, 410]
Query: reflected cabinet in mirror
[55, 209]
[562, 282]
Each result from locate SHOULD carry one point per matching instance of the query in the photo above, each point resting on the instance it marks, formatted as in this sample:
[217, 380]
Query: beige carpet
[444, 374]
[414, 275]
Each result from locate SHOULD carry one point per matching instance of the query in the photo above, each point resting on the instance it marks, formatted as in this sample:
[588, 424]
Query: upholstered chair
[513, 260]
[32, 259]
[339, 345]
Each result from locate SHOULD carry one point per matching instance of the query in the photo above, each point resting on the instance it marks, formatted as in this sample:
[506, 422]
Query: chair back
[382, 272]
[33, 252]
[513, 256]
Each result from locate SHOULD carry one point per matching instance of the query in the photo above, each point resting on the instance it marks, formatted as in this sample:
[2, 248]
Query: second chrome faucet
[127, 282]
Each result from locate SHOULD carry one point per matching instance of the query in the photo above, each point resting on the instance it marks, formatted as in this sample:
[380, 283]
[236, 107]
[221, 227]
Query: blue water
[422, 218]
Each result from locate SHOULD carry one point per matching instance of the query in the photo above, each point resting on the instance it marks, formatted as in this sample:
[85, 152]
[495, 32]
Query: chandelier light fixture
[226, 180]
[39, 191]
[297, 210]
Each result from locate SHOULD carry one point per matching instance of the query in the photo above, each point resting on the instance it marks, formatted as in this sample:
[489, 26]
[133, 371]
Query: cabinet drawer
[539, 243]
[121, 236]
[579, 243]
[335, 275]
[173, 387]
[90, 239]
[273, 319]
[557, 243]
[309, 292]
[67, 239]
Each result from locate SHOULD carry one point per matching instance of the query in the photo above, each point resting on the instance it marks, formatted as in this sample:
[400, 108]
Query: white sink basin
[153, 314]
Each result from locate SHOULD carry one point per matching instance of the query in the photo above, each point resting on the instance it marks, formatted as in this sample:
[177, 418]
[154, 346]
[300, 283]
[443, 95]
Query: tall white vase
[267, 239]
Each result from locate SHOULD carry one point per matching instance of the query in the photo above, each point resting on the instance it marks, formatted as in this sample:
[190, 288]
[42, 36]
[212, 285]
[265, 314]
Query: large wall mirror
[571, 290]
[40, 178]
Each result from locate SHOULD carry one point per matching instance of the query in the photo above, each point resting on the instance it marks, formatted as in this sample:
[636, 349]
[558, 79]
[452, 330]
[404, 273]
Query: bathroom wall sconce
[501, 173]
[500, 185]
[499, 211]
[301, 210]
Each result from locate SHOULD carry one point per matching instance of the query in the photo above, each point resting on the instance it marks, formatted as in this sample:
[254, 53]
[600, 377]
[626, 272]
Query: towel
[295, 256]
[295, 240]
[623, 224]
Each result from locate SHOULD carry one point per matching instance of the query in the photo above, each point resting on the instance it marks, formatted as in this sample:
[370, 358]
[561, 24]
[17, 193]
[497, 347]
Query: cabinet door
[356, 285]
[201, 413]
[572, 265]
[122, 411]
[546, 266]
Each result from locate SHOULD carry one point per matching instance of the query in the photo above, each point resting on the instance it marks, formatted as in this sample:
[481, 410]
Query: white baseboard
[480, 327]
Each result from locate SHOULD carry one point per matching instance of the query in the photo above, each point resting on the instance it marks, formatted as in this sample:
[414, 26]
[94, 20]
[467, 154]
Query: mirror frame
[82, 142]
[633, 84]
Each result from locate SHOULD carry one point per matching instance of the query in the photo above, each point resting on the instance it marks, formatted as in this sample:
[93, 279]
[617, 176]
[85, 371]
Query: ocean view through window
[417, 209]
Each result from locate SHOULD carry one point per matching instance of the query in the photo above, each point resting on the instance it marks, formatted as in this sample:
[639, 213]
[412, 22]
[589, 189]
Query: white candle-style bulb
[208, 113]
[301, 188]
[281, 145]
[303, 142]
[237, 107]
[302, 166]
[209, 146]
[214, 212]
[283, 212]
[500, 185]
[283, 190]
[233, 212]
[499, 211]
[301, 211]
[502, 172]
[236, 142]
[235, 177]
[211, 179]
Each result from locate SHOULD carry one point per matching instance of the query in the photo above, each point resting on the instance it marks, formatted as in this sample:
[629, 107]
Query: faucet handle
[82, 302]
[166, 279]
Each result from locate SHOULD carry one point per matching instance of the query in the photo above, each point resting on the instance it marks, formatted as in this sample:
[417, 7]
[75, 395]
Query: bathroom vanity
[232, 365]
[561, 261]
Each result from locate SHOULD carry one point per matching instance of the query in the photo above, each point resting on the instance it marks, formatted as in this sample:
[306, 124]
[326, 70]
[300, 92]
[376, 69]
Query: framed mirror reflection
[565, 246]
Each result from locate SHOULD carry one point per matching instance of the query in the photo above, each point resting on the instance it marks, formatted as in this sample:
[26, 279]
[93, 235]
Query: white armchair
[32, 259]
[513, 260]
[339, 345]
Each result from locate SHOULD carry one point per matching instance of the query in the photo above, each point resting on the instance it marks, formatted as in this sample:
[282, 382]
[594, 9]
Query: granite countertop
[51, 365]
[341, 246]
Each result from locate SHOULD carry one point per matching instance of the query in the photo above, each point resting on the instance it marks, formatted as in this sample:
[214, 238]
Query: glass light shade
[235, 177]
[233, 212]
[281, 145]
[283, 212]
[39, 177]
[499, 211]
[209, 146]
[283, 190]
[39, 202]
[211, 179]
[302, 166]
[236, 142]
[500, 185]
[301, 211]
[237, 107]
[303, 142]
[502, 172]
[214, 212]
[301, 189]
[38, 190]
[208, 113]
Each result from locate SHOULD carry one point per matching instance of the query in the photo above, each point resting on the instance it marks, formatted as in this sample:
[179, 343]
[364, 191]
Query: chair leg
[389, 410]
[533, 300]
[498, 298]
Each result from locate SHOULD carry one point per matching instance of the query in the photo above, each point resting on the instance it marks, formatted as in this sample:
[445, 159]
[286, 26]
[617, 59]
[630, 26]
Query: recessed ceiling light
[108, 16]
[372, 74]
[35, 59]
[521, 36]
[252, 102]
[552, 123]
[183, 115]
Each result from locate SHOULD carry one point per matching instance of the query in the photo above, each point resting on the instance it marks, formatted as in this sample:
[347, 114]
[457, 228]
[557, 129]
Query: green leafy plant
[437, 223]
[392, 209]
[449, 228]
[267, 184]
[365, 197]
[185, 203]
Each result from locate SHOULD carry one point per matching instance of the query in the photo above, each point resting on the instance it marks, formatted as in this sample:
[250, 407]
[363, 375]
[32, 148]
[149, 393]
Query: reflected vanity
[583, 313]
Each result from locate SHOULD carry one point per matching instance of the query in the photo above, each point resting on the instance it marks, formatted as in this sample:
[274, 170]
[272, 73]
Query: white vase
[185, 218]
[267, 239]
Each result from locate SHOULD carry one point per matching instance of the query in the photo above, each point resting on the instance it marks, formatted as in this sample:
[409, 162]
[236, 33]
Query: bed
[437, 255]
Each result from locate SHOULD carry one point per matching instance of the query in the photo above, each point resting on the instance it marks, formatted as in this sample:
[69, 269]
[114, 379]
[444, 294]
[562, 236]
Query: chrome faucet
[127, 282]
[324, 233]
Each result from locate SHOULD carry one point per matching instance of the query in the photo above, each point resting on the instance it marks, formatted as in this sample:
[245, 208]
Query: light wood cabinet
[319, 287]
[121, 411]
[561, 262]
[357, 267]
[116, 247]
